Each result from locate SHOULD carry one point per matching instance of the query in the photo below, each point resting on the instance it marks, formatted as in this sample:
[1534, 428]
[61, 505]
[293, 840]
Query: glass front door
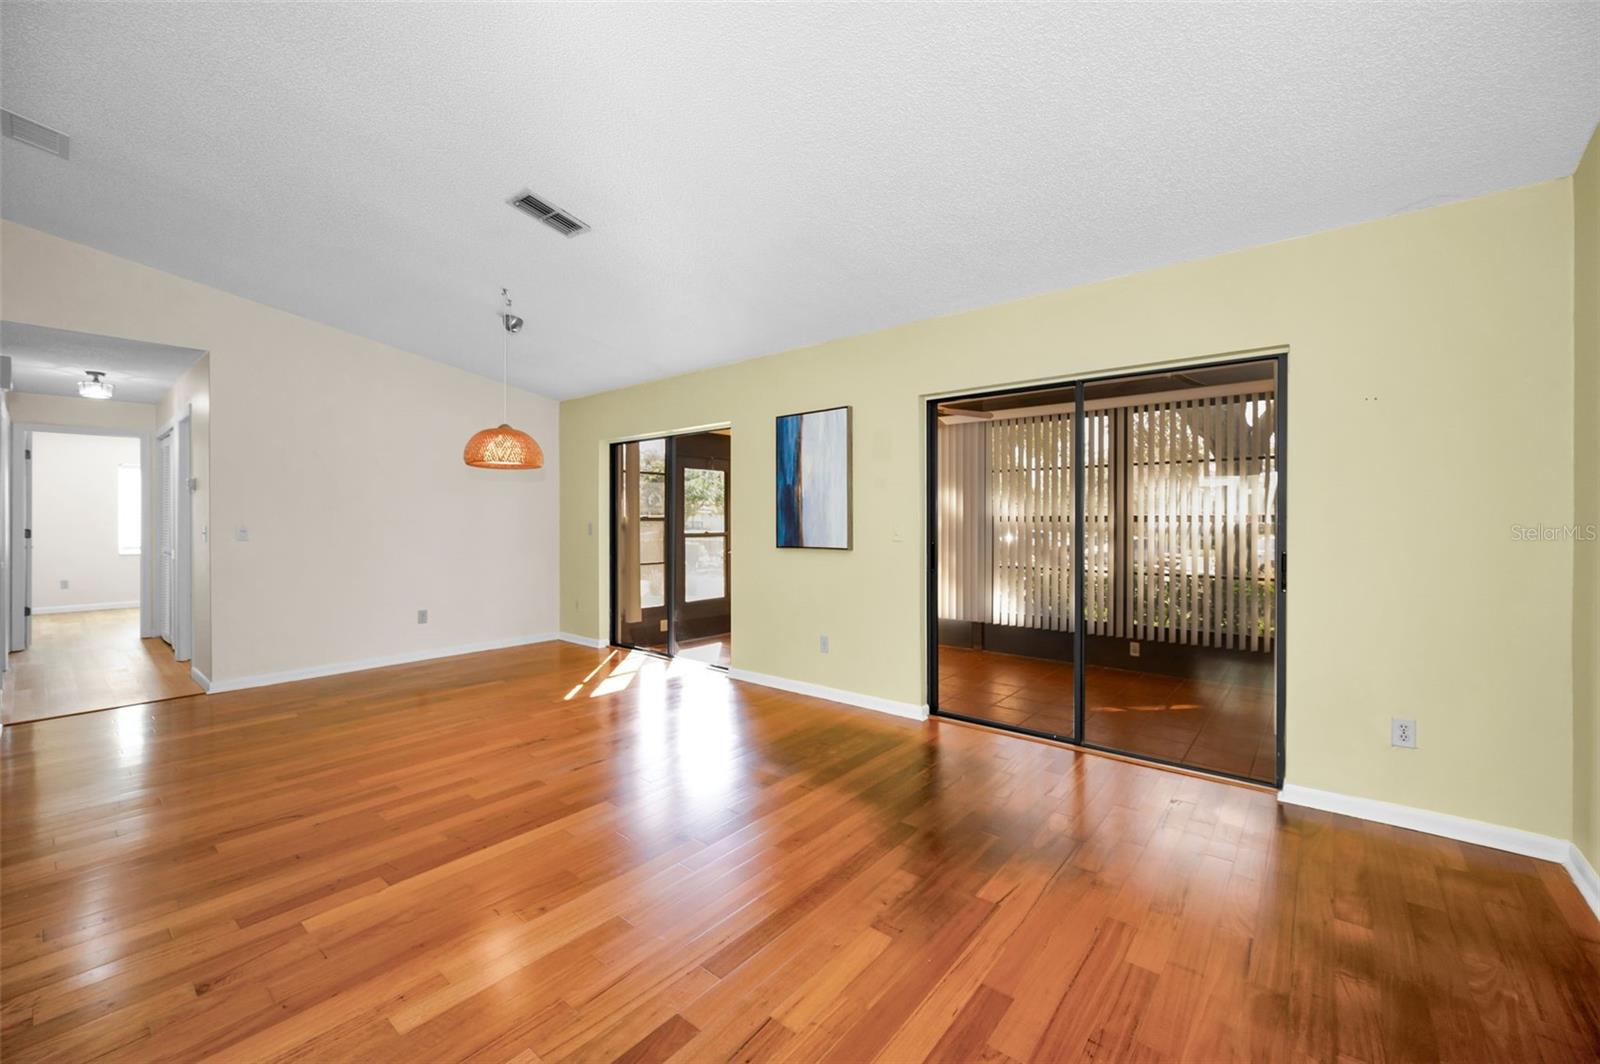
[672, 580]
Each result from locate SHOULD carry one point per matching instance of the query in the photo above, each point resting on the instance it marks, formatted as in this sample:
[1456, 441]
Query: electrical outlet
[65, 584]
[242, 534]
[1133, 648]
[663, 624]
[422, 616]
[822, 643]
[1403, 732]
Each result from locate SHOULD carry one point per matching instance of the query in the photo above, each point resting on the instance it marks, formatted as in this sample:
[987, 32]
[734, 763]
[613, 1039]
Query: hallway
[80, 662]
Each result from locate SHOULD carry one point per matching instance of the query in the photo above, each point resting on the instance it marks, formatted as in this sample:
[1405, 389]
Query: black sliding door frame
[1280, 362]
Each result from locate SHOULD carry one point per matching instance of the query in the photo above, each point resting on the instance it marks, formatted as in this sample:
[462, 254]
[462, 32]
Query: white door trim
[182, 605]
[21, 569]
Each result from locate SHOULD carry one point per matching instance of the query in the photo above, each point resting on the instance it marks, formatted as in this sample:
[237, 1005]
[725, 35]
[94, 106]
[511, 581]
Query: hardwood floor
[554, 853]
[1223, 723]
[712, 650]
[79, 662]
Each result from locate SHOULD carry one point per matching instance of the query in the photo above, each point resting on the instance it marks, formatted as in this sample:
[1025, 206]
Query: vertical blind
[1180, 519]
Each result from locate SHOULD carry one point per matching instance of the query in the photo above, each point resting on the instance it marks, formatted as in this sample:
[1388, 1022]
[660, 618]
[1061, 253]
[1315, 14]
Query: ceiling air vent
[554, 217]
[30, 132]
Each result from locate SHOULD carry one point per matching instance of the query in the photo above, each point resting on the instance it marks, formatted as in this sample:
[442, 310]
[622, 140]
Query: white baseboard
[1583, 874]
[267, 679]
[87, 607]
[832, 694]
[1460, 828]
[583, 640]
[200, 678]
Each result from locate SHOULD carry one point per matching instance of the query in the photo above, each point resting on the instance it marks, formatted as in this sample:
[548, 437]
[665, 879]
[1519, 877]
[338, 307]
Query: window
[705, 501]
[130, 509]
[652, 523]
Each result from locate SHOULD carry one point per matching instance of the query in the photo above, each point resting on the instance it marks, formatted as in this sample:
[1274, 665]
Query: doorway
[671, 546]
[1106, 564]
[99, 610]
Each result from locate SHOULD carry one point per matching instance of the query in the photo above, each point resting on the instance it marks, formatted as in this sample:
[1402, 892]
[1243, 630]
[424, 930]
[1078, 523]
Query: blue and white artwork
[814, 479]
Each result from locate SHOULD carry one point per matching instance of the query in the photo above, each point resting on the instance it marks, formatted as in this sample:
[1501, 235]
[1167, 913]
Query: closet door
[166, 523]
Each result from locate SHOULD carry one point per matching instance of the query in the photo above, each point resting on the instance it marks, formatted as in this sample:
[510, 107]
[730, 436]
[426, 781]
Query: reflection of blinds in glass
[1099, 523]
[1030, 503]
[1203, 521]
[1180, 519]
[965, 559]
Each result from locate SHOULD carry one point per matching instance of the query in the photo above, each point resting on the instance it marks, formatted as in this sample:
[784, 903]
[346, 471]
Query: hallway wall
[75, 523]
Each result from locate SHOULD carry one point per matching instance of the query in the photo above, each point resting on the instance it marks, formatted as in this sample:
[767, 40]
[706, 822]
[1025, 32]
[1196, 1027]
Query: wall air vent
[30, 132]
[554, 217]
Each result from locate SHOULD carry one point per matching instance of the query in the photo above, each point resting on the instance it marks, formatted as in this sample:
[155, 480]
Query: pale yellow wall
[1586, 480]
[192, 392]
[1430, 375]
[342, 456]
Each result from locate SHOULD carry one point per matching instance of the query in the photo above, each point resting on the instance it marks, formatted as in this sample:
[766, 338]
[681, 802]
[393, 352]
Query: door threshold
[666, 656]
[1100, 751]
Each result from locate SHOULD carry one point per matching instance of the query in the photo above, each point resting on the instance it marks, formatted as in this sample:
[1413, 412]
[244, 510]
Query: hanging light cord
[505, 363]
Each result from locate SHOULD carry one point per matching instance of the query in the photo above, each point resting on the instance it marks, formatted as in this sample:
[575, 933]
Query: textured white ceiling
[53, 361]
[758, 177]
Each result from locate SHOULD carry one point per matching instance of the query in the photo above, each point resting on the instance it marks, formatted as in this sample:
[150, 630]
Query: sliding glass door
[1004, 595]
[672, 582]
[1152, 587]
[1181, 574]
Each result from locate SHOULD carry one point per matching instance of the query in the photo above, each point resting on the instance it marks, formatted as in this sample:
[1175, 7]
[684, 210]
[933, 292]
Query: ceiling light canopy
[504, 447]
[95, 387]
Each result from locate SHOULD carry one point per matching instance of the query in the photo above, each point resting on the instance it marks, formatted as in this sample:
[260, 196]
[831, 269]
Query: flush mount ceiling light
[504, 447]
[94, 387]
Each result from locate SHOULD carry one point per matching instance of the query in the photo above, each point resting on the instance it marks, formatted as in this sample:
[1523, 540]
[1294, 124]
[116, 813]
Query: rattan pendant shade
[504, 447]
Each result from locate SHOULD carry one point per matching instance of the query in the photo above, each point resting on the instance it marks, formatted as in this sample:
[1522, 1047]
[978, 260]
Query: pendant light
[504, 447]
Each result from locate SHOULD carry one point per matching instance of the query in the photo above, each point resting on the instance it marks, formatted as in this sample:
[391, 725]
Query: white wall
[75, 523]
[342, 456]
[62, 411]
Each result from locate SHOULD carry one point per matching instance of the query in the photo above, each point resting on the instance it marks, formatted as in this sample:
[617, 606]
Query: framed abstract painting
[814, 479]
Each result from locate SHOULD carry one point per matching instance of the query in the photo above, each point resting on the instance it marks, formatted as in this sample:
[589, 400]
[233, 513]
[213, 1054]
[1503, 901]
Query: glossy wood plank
[79, 662]
[559, 854]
